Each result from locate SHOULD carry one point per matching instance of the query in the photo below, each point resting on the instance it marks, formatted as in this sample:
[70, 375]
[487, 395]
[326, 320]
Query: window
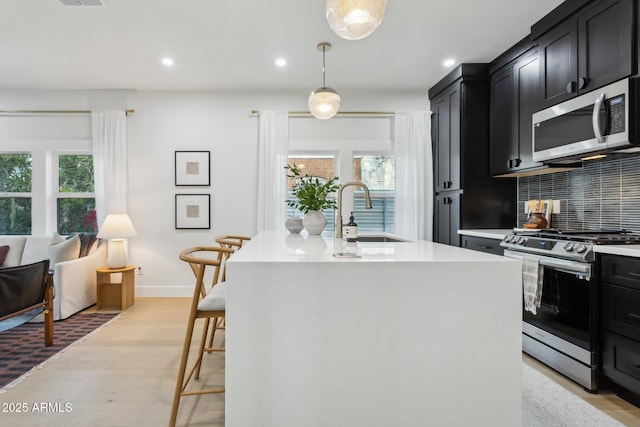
[15, 193]
[74, 193]
[378, 172]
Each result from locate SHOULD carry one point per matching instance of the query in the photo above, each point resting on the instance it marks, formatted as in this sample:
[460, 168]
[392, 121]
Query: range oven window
[565, 308]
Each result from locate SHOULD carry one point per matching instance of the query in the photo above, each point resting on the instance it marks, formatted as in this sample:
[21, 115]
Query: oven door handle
[579, 268]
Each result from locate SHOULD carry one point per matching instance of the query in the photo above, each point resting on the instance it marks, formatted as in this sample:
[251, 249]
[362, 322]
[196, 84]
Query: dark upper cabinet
[466, 194]
[446, 117]
[504, 145]
[515, 96]
[589, 49]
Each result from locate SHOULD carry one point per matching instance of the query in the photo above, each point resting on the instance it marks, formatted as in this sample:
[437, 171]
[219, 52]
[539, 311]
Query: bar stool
[233, 242]
[204, 305]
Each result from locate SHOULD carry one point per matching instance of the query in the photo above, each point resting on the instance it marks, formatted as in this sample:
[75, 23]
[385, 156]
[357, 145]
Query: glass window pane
[317, 166]
[77, 215]
[378, 172]
[15, 173]
[379, 219]
[75, 173]
[15, 215]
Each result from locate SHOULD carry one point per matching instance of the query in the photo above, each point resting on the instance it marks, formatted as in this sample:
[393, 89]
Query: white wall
[166, 121]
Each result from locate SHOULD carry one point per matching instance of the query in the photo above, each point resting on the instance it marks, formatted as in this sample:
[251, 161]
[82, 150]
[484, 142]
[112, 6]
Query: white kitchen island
[410, 334]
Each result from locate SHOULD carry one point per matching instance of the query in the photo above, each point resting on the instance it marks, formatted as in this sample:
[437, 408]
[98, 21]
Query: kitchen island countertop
[409, 333]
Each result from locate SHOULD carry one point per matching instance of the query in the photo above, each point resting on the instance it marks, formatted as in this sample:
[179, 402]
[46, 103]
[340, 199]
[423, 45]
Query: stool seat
[215, 299]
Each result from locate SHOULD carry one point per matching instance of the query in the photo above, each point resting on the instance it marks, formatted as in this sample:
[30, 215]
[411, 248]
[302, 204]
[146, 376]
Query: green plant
[311, 193]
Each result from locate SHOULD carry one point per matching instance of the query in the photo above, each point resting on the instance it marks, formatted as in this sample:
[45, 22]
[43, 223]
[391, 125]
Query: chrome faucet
[366, 206]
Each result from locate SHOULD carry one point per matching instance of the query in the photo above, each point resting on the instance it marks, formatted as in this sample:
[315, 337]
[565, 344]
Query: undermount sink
[380, 239]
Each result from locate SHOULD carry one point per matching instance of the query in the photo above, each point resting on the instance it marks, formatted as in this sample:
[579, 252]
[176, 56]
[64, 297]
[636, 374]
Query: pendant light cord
[323, 67]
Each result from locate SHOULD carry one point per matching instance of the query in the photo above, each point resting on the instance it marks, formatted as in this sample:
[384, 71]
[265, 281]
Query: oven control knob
[507, 239]
[521, 241]
[581, 248]
[569, 247]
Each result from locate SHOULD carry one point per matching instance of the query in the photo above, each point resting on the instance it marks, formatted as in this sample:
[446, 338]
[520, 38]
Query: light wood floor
[124, 375]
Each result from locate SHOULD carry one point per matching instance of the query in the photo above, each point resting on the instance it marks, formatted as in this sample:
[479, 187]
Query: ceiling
[232, 45]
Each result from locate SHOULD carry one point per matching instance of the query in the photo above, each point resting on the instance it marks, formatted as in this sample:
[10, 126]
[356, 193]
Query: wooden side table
[115, 295]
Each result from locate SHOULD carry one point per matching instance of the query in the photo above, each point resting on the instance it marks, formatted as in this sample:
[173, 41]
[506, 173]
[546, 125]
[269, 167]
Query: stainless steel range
[563, 331]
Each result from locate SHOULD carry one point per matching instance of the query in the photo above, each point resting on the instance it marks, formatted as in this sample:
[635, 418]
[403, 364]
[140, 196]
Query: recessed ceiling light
[281, 62]
[167, 61]
[449, 62]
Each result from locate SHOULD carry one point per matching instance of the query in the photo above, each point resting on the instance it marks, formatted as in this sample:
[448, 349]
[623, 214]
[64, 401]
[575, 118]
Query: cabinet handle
[571, 87]
[518, 161]
[582, 82]
[634, 316]
[510, 164]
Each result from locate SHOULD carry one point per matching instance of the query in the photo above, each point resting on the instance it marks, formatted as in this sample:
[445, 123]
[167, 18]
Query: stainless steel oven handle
[580, 268]
[595, 119]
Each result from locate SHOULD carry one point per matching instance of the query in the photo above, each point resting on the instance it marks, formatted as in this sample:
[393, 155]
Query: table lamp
[116, 228]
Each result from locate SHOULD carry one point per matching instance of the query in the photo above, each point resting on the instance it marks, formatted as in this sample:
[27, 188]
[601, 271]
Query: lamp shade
[355, 19]
[324, 103]
[117, 226]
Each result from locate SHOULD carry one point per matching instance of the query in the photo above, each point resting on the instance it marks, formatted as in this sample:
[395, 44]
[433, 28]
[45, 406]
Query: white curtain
[273, 151]
[109, 129]
[414, 175]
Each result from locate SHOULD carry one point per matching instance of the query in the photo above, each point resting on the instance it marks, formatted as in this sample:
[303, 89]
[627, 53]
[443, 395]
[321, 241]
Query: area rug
[547, 404]
[22, 348]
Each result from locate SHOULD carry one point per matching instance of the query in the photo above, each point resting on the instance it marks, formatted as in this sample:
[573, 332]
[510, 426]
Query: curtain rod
[339, 113]
[35, 112]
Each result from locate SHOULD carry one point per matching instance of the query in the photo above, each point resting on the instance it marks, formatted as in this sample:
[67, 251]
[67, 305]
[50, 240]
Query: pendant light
[355, 19]
[324, 102]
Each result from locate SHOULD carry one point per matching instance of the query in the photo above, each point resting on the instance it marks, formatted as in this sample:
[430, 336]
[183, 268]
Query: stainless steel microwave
[588, 125]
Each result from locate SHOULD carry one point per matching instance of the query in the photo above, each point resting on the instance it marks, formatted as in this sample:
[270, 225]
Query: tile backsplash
[602, 194]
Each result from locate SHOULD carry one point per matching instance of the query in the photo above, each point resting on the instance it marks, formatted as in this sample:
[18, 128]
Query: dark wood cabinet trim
[556, 16]
[512, 53]
[466, 71]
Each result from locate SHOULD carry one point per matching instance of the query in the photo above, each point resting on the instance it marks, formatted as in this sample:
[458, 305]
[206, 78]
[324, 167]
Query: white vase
[314, 222]
[294, 224]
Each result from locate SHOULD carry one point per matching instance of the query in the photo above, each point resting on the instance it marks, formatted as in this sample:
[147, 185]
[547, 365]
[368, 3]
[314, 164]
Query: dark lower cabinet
[482, 244]
[447, 222]
[620, 291]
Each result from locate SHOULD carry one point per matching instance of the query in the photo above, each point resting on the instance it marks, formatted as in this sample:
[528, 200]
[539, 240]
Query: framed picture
[193, 168]
[193, 211]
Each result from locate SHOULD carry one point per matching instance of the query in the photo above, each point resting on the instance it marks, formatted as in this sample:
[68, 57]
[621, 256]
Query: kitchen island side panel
[373, 343]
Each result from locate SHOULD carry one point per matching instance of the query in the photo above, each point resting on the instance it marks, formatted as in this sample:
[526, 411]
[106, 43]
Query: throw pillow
[4, 250]
[65, 251]
[86, 243]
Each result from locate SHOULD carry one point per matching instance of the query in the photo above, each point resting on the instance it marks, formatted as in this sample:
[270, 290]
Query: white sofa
[74, 277]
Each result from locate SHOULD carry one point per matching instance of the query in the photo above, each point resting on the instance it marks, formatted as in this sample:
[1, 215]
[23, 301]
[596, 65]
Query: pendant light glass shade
[355, 19]
[324, 103]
